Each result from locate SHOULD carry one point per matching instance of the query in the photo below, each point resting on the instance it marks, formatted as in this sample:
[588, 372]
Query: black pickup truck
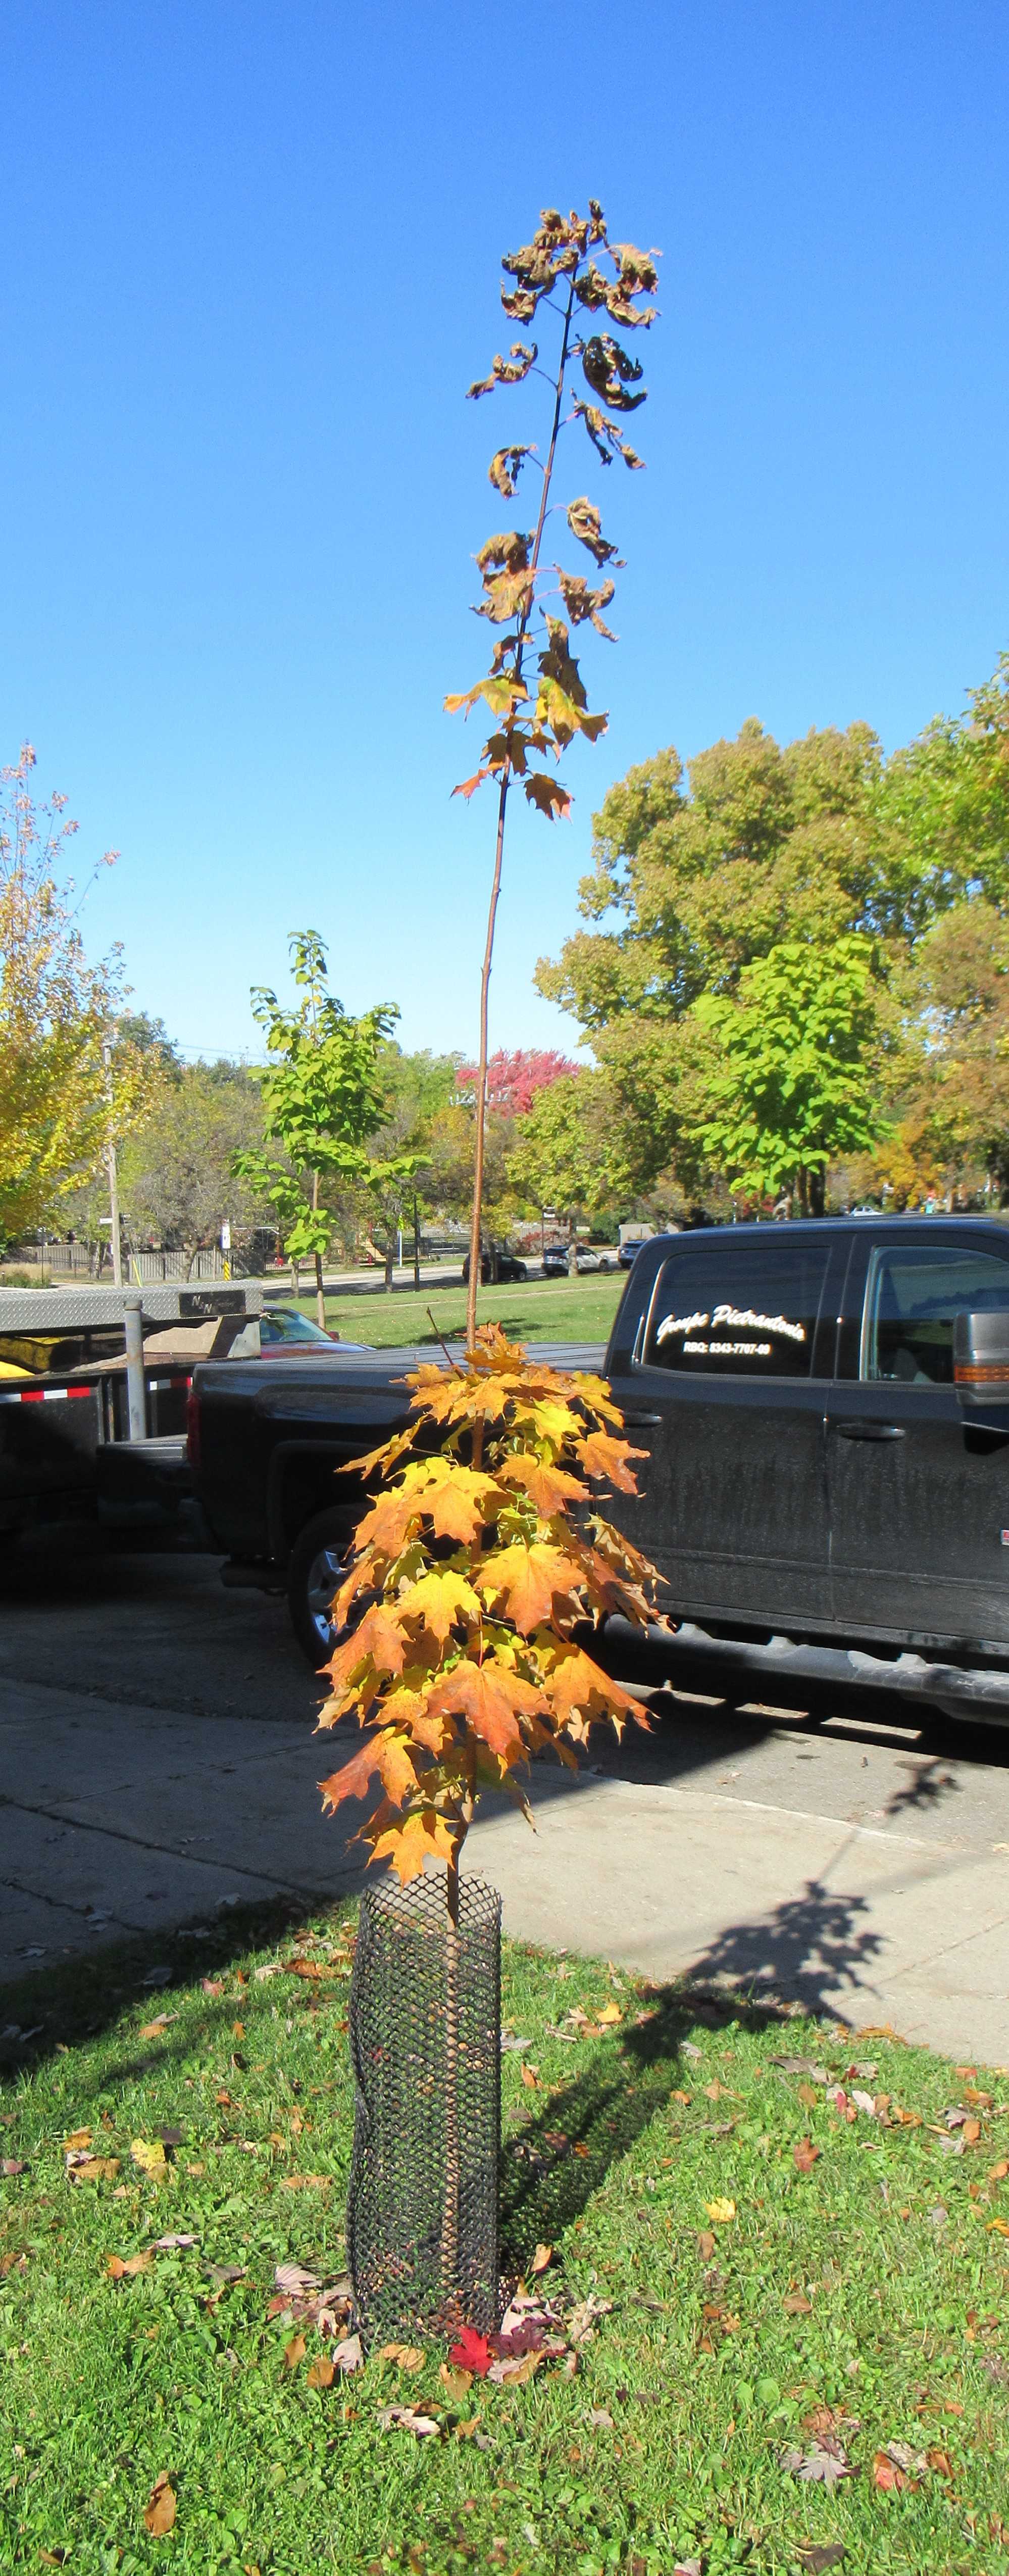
[825, 1411]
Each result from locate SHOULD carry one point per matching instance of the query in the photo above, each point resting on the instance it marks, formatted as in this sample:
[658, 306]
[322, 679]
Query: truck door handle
[869, 1430]
[640, 1421]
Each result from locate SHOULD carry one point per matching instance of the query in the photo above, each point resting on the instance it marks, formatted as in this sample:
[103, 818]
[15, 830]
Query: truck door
[727, 1388]
[919, 1489]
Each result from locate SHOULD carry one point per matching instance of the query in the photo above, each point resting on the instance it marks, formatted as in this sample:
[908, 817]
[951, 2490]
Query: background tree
[566, 1153]
[177, 1178]
[324, 1096]
[556, 272]
[57, 1012]
[792, 1086]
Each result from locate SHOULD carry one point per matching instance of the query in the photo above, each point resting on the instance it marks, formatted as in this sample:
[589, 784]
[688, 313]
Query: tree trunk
[803, 1182]
[320, 1294]
[450, 2208]
[390, 1263]
[817, 1192]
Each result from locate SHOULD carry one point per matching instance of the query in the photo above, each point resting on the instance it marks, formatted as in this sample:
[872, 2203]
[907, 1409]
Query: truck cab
[813, 1464]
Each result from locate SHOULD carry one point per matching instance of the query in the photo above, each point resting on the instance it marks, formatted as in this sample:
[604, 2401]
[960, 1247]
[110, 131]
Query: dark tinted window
[741, 1308]
[912, 1295]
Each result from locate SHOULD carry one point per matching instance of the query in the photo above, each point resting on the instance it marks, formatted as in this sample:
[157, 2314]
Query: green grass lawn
[539, 1310]
[863, 2299]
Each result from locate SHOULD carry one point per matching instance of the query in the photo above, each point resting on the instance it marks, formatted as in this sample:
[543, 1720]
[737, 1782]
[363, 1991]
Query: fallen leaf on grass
[306, 2182]
[610, 2013]
[472, 2352]
[78, 2140]
[998, 2172]
[600, 2419]
[93, 2168]
[225, 2274]
[171, 2244]
[212, 1985]
[892, 2467]
[159, 2511]
[542, 2260]
[805, 2155]
[455, 2382]
[150, 2156]
[408, 2420]
[797, 2304]
[119, 2269]
[822, 2554]
[823, 2464]
[10, 2166]
[517, 2371]
[407, 2356]
[705, 2244]
[529, 2077]
[321, 2372]
[294, 2352]
[720, 2211]
[155, 2029]
[348, 2354]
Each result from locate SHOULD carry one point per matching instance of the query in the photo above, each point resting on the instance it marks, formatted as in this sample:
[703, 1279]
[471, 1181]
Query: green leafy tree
[791, 1087]
[566, 1154]
[177, 1176]
[534, 719]
[324, 1095]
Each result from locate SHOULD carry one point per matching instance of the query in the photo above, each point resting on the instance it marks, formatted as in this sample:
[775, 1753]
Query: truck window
[743, 1309]
[911, 1298]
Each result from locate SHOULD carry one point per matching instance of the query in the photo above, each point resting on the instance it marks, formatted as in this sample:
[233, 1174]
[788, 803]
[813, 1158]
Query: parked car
[823, 1411]
[508, 1266]
[285, 1333]
[555, 1260]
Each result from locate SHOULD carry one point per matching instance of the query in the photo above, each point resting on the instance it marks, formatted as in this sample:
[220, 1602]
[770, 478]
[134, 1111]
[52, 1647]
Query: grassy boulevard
[802, 2361]
[538, 1310]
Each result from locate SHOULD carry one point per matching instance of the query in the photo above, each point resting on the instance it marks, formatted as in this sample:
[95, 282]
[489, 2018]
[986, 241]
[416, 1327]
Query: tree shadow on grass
[752, 1974]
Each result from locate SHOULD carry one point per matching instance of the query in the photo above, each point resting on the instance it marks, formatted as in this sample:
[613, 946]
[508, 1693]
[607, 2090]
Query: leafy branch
[537, 723]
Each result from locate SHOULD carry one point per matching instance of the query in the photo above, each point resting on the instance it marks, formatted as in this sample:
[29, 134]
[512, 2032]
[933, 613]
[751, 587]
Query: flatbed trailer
[94, 1384]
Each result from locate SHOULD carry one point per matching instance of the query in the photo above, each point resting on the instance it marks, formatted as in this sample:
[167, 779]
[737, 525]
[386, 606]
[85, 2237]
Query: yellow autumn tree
[58, 1105]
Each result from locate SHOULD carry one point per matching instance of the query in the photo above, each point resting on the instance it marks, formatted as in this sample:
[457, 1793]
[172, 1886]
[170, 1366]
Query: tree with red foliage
[513, 1079]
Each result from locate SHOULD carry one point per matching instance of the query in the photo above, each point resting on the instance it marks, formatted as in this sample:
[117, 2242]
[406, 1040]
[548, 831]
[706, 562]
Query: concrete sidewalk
[117, 1818]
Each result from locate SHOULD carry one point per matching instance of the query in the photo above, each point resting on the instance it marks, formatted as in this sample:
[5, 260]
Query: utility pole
[110, 1161]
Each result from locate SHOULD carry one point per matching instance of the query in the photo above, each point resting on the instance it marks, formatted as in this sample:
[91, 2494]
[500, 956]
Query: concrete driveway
[157, 1764]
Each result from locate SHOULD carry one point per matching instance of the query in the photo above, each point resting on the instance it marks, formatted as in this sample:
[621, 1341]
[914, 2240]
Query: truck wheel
[318, 1559]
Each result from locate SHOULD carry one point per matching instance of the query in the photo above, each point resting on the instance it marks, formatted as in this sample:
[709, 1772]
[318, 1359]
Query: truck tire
[318, 1559]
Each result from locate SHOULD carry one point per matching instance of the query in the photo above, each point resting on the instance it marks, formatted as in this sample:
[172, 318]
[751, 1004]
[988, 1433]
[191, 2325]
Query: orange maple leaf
[458, 1501]
[378, 1640]
[493, 1698]
[548, 1487]
[601, 1455]
[533, 1583]
[354, 1777]
[579, 1690]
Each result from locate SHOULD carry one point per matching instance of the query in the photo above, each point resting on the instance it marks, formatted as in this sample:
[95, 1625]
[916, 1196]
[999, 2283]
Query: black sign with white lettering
[197, 1305]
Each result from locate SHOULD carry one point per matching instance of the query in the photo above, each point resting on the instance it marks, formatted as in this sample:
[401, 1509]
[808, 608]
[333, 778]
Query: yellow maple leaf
[439, 1600]
[422, 1836]
[150, 2156]
[720, 2211]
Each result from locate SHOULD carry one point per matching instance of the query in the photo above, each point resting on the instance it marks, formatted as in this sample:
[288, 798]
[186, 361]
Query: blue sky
[251, 266]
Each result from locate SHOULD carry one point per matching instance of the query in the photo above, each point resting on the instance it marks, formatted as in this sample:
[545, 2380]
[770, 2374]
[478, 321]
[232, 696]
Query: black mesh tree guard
[425, 2040]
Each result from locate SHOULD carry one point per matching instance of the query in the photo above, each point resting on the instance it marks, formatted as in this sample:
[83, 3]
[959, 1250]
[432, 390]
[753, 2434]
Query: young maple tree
[465, 1661]
[557, 272]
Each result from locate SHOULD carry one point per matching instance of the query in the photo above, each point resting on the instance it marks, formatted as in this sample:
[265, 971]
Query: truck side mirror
[981, 1357]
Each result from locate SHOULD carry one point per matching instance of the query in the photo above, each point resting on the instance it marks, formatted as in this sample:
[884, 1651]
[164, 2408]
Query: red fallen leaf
[11, 2165]
[804, 2155]
[472, 2352]
[212, 1985]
